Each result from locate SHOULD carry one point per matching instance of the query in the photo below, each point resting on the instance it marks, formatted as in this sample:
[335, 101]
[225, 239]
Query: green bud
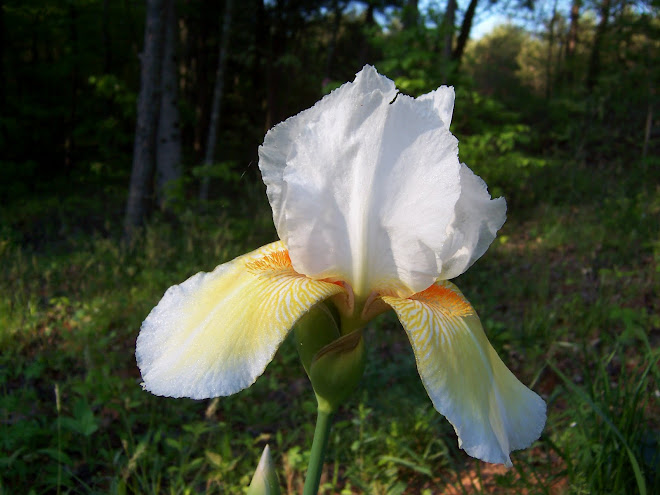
[336, 370]
[316, 329]
[264, 481]
[333, 362]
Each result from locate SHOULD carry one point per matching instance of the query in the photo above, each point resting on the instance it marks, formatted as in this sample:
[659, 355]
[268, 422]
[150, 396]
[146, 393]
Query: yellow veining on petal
[491, 411]
[215, 333]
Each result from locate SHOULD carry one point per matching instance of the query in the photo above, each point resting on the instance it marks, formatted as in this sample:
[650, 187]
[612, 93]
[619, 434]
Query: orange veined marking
[279, 260]
[451, 304]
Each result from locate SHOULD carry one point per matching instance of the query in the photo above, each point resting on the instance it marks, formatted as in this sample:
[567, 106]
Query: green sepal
[264, 481]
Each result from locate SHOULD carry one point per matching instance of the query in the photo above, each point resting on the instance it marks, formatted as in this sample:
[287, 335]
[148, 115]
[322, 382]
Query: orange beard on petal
[448, 302]
[279, 260]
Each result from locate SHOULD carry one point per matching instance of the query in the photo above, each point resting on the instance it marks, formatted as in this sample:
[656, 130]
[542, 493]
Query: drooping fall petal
[363, 185]
[491, 411]
[214, 334]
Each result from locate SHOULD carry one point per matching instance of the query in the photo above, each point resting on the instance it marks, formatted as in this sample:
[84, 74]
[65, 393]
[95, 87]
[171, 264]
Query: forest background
[128, 162]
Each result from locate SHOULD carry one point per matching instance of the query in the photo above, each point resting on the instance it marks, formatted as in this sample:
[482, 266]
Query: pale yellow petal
[491, 411]
[214, 334]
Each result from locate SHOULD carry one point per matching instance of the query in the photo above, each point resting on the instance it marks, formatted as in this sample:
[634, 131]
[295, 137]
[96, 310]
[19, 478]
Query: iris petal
[442, 100]
[214, 334]
[476, 221]
[363, 185]
[491, 411]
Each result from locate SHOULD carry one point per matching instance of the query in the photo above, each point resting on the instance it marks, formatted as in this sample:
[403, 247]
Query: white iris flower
[374, 212]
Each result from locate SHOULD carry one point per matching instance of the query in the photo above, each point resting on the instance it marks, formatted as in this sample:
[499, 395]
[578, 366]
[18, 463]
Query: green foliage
[493, 63]
[75, 419]
[568, 293]
[413, 58]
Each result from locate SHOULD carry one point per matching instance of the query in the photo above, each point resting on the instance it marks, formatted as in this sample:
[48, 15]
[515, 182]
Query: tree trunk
[217, 99]
[168, 148]
[648, 125]
[594, 61]
[105, 35]
[147, 113]
[332, 44]
[572, 41]
[133, 34]
[567, 75]
[277, 43]
[410, 14]
[466, 27]
[203, 65]
[70, 140]
[260, 61]
[448, 27]
[2, 58]
[551, 43]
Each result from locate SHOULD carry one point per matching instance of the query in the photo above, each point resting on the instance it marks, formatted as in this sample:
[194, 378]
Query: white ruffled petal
[477, 218]
[214, 334]
[442, 100]
[280, 141]
[363, 185]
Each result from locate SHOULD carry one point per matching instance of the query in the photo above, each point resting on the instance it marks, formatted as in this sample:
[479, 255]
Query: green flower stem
[315, 467]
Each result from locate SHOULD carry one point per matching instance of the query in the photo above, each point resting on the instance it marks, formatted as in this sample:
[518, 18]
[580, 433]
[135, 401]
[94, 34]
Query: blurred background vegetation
[128, 161]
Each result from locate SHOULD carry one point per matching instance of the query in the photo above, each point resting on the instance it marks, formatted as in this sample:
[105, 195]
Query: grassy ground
[569, 295]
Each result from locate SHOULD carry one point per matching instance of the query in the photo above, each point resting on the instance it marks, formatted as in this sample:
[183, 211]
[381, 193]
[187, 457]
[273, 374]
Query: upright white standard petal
[363, 185]
[476, 221]
[280, 141]
[442, 100]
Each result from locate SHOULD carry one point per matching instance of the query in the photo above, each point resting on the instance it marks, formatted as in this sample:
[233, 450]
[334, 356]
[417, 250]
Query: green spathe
[264, 481]
[316, 329]
[336, 370]
[333, 362]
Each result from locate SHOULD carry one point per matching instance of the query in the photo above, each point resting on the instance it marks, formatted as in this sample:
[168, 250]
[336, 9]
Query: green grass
[569, 295]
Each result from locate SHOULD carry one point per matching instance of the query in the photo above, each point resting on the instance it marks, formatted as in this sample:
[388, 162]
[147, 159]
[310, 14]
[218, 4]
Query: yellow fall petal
[491, 411]
[215, 333]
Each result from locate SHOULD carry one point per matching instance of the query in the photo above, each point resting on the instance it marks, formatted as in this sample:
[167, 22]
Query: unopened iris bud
[333, 362]
[316, 329]
[264, 481]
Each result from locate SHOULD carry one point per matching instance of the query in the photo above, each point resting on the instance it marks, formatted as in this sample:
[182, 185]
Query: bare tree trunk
[410, 14]
[448, 27]
[201, 69]
[133, 35]
[2, 57]
[572, 41]
[648, 124]
[466, 27]
[105, 34]
[567, 75]
[261, 55]
[70, 140]
[277, 44]
[369, 23]
[551, 44]
[594, 61]
[217, 98]
[337, 8]
[147, 114]
[168, 148]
